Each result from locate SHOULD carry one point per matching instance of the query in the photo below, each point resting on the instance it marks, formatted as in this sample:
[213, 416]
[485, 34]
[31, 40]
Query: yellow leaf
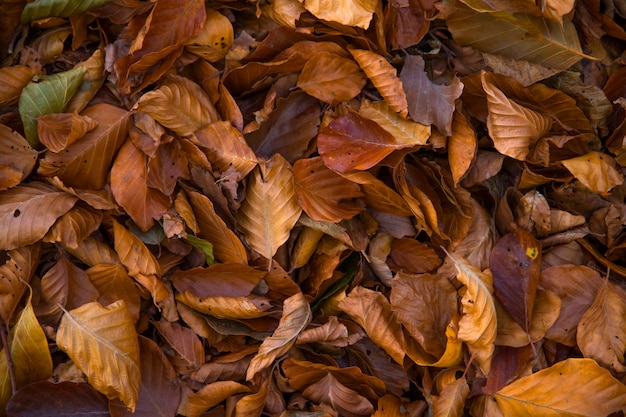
[103, 344]
[596, 171]
[347, 12]
[215, 38]
[573, 387]
[296, 316]
[477, 326]
[30, 354]
[133, 254]
[271, 207]
[451, 399]
[250, 307]
[405, 131]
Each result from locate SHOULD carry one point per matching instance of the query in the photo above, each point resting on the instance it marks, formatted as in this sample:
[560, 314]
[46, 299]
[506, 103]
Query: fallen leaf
[17, 158]
[347, 13]
[107, 353]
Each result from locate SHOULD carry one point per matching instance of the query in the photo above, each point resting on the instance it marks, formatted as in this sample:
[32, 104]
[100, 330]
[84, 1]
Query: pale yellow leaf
[405, 131]
[347, 12]
[596, 170]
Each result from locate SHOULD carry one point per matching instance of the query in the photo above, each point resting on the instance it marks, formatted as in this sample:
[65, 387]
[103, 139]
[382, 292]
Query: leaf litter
[344, 208]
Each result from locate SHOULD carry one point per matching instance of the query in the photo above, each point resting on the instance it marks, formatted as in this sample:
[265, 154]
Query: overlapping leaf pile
[316, 208]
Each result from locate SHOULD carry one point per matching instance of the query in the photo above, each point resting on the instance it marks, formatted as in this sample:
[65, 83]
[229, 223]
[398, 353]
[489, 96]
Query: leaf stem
[7, 353]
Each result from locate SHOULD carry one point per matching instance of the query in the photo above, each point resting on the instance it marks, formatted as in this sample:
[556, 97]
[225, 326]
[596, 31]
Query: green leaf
[40, 9]
[204, 245]
[47, 95]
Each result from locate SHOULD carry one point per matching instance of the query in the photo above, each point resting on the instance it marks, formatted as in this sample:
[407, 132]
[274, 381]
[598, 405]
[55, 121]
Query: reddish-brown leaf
[130, 188]
[219, 280]
[86, 163]
[59, 130]
[17, 158]
[516, 265]
[61, 399]
[15, 274]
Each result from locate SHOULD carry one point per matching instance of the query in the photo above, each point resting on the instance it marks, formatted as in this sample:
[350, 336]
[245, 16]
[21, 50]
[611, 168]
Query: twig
[7, 353]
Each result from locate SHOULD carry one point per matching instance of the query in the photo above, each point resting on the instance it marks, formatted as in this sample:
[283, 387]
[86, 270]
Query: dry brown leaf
[372, 311]
[384, 77]
[296, 317]
[250, 307]
[194, 404]
[59, 130]
[513, 127]
[103, 343]
[451, 399]
[462, 146]
[17, 158]
[133, 254]
[271, 207]
[350, 13]
[323, 194]
[28, 211]
[215, 38]
[74, 226]
[477, 326]
[114, 283]
[343, 399]
[601, 333]
[12, 80]
[403, 130]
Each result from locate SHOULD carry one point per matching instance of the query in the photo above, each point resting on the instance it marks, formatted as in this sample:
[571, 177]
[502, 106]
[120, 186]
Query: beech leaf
[271, 207]
[40, 9]
[63, 399]
[350, 13]
[592, 391]
[17, 158]
[49, 94]
[296, 316]
[103, 343]
[597, 171]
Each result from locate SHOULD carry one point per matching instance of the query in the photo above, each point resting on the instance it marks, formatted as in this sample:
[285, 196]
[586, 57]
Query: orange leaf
[59, 130]
[462, 146]
[114, 283]
[343, 399]
[215, 38]
[133, 254]
[373, 312]
[12, 80]
[350, 13]
[28, 211]
[323, 194]
[194, 404]
[130, 188]
[513, 127]
[17, 158]
[226, 245]
[331, 78]
[403, 130]
[296, 317]
[74, 226]
[384, 77]
[16, 273]
[86, 163]
[596, 171]
[179, 104]
[591, 391]
[271, 208]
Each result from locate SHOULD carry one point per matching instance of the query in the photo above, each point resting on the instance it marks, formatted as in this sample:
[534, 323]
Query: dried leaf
[350, 13]
[271, 208]
[296, 317]
[250, 307]
[477, 326]
[323, 194]
[57, 8]
[346, 401]
[215, 38]
[331, 78]
[58, 130]
[451, 399]
[133, 254]
[592, 391]
[372, 311]
[17, 158]
[62, 399]
[596, 171]
[601, 333]
[194, 404]
[103, 343]
[384, 77]
[429, 103]
[180, 105]
[462, 147]
[28, 211]
[404, 130]
[12, 80]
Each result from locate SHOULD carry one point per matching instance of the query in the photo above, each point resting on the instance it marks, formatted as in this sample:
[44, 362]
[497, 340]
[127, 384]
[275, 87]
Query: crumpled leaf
[477, 326]
[215, 38]
[28, 211]
[343, 399]
[58, 130]
[296, 316]
[591, 391]
[103, 343]
[271, 207]
[194, 404]
[49, 94]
